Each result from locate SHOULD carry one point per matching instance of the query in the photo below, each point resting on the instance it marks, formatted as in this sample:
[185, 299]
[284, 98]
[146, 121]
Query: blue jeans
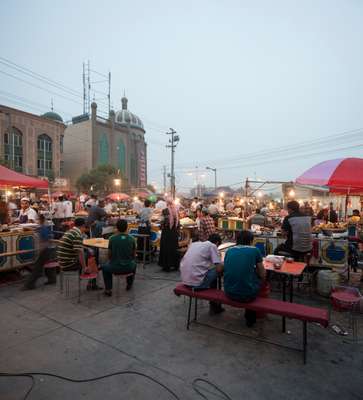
[209, 281]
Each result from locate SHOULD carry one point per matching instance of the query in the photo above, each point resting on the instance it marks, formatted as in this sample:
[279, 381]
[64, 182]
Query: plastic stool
[344, 298]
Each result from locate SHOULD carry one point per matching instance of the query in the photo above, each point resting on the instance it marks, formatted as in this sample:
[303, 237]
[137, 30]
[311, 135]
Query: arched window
[121, 156]
[45, 156]
[103, 150]
[13, 149]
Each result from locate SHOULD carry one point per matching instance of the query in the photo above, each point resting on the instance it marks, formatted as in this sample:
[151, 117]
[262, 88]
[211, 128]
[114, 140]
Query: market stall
[17, 241]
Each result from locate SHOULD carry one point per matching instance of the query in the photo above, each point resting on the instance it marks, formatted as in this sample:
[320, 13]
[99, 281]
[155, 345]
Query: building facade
[119, 140]
[32, 144]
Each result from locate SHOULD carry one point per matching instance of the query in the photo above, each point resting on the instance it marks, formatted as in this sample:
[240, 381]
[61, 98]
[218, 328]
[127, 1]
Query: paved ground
[144, 331]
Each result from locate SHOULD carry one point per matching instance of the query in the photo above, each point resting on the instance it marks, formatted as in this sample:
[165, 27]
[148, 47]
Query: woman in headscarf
[168, 256]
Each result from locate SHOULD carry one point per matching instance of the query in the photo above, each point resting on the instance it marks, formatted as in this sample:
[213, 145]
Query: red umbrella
[142, 194]
[118, 196]
[341, 176]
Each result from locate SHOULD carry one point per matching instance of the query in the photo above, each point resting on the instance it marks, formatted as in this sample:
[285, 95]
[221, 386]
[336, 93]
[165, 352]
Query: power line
[292, 147]
[30, 102]
[39, 87]
[38, 76]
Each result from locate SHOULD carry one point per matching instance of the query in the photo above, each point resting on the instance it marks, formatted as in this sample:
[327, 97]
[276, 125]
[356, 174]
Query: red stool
[344, 298]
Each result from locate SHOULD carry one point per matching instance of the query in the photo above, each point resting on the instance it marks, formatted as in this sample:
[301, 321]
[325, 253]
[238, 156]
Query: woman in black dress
[168, 256]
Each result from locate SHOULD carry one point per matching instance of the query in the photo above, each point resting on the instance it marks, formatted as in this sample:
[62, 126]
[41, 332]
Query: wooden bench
[261, 304]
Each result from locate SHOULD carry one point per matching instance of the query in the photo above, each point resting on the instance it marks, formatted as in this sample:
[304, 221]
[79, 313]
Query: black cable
[195, 387]
[32, 375]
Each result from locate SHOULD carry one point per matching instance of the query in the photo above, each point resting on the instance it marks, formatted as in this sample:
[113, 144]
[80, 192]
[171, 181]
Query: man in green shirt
[121, 254]
[243, 272]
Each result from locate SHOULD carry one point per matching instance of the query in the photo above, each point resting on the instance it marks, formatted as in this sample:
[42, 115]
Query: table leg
[283, 299]
[291, 279]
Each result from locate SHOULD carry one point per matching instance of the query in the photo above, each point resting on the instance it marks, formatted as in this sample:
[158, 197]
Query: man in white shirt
[230, 206]
[109, 206]
[137, 205]
[92, 201]
[68, 208]
[200, 266]
[213, 209]
[27, 214]
[160, 205]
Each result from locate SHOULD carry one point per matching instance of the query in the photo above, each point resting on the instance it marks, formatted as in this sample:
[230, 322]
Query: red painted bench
[261, 304]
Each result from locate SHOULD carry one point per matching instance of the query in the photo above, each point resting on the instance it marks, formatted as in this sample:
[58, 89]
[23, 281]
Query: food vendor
[328, 214]
[355, 218]
[27, 214]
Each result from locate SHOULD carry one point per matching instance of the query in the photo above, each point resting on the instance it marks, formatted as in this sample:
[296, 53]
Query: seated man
[121, 253]
[200, 265]
[297, 228]
[70, 251]
[243, 273]
[70, 254]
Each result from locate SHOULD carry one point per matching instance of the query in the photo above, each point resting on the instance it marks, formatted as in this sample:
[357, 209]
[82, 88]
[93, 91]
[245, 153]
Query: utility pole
[164, 178]
[215, 176]
[173, 143]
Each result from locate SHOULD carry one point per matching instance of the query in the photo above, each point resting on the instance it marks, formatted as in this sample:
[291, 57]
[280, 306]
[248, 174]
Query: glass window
[45, 155]
[61, 140]
[13, 149]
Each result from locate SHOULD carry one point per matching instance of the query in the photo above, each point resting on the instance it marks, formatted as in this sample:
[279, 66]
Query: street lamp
[215, 175]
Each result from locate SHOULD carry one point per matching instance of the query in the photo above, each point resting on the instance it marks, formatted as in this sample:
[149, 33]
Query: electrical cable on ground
[32, 375]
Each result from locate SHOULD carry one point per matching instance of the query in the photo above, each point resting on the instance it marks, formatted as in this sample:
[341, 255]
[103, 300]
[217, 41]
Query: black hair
[293, 205]
[258, 211]
[78, 222]
[147, 203]
[245, 238]
[121, 225]
[215, 238]
[356, 212]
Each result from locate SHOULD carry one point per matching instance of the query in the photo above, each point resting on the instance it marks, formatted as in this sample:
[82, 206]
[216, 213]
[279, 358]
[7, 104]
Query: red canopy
[9, 177]
[118, 196]
[342, 176]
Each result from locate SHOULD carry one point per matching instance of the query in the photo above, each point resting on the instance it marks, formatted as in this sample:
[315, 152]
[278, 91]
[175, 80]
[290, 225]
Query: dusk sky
[236, 79]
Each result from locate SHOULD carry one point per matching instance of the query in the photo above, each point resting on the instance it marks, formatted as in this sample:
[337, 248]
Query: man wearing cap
[207, 226]
[27, 214]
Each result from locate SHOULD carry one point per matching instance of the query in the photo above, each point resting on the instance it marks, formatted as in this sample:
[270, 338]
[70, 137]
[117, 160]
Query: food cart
[17, 241]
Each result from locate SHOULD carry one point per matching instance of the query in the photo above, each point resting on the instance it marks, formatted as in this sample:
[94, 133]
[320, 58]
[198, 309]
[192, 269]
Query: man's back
[298, 228]
[68, 247]
[240, 276]
[199, 257]
[96, 213]
[122, 248]
[258, 219]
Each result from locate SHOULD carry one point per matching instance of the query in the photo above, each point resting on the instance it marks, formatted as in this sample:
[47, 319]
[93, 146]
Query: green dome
[53, 116]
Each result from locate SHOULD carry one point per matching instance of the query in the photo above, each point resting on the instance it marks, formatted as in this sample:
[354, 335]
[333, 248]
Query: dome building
[118, 140]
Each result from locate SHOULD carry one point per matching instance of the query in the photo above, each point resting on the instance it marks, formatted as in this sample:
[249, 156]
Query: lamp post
[215, 175]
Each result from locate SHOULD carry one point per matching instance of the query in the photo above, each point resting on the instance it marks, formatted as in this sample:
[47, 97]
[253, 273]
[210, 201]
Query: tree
[100, 180]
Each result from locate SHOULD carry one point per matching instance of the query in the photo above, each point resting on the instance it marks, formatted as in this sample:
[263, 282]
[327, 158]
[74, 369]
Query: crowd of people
[242, 280]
